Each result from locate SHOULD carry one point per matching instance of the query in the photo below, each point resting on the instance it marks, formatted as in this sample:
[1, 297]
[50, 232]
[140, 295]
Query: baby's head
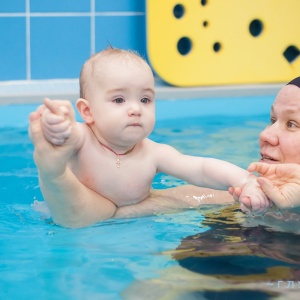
[117, 97]
[97, 65]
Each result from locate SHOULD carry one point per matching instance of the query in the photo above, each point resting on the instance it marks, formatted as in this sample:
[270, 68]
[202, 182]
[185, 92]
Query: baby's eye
[272, 120]
[119, 100]
[145, 100]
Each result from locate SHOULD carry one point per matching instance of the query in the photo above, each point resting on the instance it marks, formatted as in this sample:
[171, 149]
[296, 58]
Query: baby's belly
[128, 195]
[121, 192]
[126, 199]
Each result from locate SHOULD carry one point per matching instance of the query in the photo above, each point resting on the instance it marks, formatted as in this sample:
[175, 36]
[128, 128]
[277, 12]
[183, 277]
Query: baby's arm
[71, 203]
[212, 173]
[280, 182]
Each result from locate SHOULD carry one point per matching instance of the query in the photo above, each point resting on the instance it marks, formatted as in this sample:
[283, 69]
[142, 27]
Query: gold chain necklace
[118, 160]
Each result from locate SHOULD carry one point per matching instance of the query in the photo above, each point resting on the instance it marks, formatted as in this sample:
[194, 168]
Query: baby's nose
[134, 109]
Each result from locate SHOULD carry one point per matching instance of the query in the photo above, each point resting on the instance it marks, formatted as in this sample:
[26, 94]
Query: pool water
[209, 253]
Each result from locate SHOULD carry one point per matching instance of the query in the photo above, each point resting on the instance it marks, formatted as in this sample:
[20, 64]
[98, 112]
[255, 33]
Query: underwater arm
[175, 199]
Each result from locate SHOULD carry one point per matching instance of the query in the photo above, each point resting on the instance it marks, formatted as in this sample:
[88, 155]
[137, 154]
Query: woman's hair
[295, 81]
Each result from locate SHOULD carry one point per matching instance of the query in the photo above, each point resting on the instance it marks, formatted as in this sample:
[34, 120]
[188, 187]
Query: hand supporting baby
[55, 135]
[280, 182]
[57, 117]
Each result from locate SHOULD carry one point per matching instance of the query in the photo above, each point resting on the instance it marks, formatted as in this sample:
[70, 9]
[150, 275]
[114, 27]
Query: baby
[109, 155]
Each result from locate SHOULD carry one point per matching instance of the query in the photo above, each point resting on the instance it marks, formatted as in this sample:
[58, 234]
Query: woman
[279, 150]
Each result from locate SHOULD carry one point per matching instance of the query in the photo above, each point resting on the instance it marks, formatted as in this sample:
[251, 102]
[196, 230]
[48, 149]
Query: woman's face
[280, 141]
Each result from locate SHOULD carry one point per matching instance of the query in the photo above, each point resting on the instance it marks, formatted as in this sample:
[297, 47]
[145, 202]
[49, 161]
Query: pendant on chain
[118, 161]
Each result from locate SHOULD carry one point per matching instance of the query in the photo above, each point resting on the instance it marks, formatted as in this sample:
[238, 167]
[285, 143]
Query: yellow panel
[223, 49]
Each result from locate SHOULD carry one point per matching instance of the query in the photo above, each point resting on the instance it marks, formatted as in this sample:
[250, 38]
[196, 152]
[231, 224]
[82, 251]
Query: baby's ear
[83, 106]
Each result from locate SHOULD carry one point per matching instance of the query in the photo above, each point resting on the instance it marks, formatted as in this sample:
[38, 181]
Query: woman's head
[280, 141]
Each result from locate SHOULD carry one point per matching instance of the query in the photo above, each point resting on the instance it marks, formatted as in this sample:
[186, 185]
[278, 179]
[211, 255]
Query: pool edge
[32, 92]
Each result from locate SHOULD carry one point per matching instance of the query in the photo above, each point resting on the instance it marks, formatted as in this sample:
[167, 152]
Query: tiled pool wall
[50, 39]
[43, 44]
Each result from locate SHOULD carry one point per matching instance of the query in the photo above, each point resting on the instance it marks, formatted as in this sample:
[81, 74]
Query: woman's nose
[269, 135]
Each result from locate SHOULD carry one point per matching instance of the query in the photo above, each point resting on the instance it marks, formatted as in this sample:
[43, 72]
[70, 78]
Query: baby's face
[280, 141]
[122, 101]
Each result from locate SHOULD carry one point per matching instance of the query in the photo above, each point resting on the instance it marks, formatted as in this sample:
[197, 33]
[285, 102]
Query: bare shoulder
[158, 146]
[160, 152]
[84, 135]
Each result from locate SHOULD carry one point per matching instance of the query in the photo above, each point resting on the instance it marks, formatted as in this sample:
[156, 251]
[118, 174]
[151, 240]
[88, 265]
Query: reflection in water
[233, 233]
[238, 257]
[238, 249]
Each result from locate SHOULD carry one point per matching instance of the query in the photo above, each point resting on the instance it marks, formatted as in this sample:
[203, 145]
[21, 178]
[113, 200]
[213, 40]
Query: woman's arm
[71, 203]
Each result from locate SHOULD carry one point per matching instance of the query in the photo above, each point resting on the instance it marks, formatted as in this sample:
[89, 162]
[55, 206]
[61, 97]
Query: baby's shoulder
[155, 146]
[86, 137]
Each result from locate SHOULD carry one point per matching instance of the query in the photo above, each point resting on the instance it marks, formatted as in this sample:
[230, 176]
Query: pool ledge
[33, 91]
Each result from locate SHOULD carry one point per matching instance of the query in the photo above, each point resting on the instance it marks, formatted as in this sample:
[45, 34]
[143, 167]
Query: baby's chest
[123, 180]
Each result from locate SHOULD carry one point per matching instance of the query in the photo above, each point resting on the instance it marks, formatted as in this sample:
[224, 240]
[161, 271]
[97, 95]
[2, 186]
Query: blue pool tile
[120, 5]
[12, 6]
[12, 48]
[59, 46]
[126, 32]
[60, 5]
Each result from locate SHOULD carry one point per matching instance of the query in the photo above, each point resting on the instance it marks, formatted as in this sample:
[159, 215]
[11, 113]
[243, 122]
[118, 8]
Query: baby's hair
[89, 68]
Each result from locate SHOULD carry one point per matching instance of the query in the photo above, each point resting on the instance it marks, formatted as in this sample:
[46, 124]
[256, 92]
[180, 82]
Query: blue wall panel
[51, 39]
[60, 5]
[126, 32]
[12, 49]
[120, 5]
[12, 6]
[59, 46]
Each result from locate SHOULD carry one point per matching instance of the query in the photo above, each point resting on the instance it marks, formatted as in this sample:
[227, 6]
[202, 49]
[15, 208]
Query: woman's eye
[145, 100]
[291, 124]
[272, 120]
[119, 100]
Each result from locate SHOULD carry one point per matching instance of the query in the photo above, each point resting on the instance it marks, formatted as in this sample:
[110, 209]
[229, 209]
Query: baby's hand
[254, 199]
[56, 121]
[251, 196]
[236, 193]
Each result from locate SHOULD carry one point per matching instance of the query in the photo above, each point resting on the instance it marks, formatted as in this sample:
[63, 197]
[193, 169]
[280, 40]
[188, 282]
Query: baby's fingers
[50, 118]
[57, 107]
[235, 192]
[245, 208]
[257, 204]
[59, 128]
[57, 134]
[57, 139]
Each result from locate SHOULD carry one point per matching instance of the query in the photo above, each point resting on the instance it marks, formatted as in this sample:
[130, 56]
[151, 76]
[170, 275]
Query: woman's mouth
[268, 159]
